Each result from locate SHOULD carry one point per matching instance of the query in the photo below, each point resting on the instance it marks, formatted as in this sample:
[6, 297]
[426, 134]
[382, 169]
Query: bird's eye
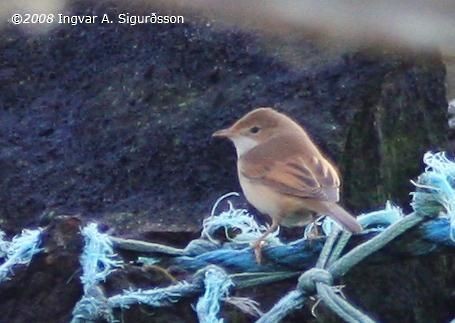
[255, 129]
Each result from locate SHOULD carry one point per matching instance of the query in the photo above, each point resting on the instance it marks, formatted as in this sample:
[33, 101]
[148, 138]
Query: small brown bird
[283, 174]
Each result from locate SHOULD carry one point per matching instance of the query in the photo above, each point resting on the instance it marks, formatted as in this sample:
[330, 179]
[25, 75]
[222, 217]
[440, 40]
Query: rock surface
[114, 122]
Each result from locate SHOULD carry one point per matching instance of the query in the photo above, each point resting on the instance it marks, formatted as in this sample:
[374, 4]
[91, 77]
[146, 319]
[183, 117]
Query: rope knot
[308, 280]
[216, 284]
[201, 275]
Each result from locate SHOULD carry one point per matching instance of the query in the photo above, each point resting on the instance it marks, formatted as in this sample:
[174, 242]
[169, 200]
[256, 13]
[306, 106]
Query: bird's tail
[343, 217]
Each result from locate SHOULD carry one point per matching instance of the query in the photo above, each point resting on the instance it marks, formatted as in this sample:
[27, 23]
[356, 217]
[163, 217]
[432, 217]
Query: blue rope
[155, 297]
[19, 251]
[92, 307]
[435, 189]
[246, 228]
[214, 279]
[98, 261]
[299, 254]
[435, 194]
[434, 216]
[302, 254]
[217, 284]
[438, 232]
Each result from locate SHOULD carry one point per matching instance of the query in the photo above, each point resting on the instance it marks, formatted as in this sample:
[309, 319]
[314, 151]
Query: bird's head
[254, 128]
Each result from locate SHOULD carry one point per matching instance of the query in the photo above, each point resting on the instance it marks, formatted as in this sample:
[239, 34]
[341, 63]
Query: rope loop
[307, 281]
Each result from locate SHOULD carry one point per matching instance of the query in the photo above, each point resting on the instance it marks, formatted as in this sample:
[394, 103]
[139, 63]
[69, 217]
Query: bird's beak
[223, 133]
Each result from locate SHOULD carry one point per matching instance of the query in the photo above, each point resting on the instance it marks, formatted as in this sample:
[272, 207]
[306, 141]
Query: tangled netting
[221, 266]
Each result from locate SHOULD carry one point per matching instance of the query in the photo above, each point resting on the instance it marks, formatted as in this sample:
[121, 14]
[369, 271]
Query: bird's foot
[314, 233]
[257, 246]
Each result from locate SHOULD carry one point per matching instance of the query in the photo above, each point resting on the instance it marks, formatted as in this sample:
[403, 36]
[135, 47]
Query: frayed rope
[435, 197]
[217, 284]
[19, 251]
[435, 189]
[247, 230]
[98, 261]
[155, 297]
[375, 221]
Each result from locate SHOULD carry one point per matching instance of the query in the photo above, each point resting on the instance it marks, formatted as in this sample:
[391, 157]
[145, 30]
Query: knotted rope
[435, 194]
[434, 202]
[217, 284]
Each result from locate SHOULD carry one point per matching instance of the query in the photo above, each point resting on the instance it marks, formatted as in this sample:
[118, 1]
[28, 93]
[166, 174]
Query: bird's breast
[268, 201]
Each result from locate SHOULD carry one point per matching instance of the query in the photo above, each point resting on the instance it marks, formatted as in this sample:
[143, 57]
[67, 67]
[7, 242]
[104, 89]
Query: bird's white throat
[243, 144]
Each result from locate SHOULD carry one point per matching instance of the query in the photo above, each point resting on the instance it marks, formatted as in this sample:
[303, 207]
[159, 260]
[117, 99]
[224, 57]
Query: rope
[98, 259]
[327, 249]
[434, 214]
[19, 251]
[155, 297]
[142, 246]
[435, 189]
[356, 255]
[435, 192]
[246, 228]
[97, 262]
[340, 306]
[308, 280]
[320, 280]
[293, 300]
[92, 307]
[338, 248]
[212, 281]
[245, 280]
[217, 284]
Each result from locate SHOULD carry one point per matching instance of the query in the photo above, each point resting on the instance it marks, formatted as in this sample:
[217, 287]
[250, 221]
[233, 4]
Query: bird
[283, 174]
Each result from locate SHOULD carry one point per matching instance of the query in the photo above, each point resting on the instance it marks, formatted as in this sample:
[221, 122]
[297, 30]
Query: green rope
[320, 280]
[357, 254]
[327, 249]
[290, 302]
[142, 246]
[435, 196]
[324, 293]
[340, 306]
[339, 247]
[244, 280]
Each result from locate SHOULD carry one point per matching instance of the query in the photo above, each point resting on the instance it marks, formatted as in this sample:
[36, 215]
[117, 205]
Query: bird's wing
[312, 177]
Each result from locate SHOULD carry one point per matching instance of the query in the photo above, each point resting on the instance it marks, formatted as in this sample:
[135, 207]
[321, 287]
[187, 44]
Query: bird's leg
[259, 243]
[314, 232]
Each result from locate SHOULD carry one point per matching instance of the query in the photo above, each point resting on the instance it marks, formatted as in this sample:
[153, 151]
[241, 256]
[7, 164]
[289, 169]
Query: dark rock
[114, 122]
[110, 120]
